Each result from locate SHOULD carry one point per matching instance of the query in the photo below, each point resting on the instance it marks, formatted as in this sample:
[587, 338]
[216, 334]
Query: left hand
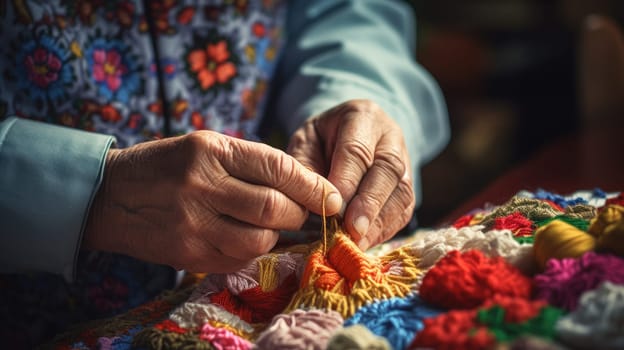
[362, 152]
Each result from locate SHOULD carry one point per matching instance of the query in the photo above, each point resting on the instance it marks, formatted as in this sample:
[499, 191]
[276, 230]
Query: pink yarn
[300, 329]
[565, 280]
[223, 339]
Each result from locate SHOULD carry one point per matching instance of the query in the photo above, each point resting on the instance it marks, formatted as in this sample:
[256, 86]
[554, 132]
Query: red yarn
[554, 205]
[619, 200]
[168, 325]
[463, 281]
[255, 305]
[453, 330]
[517, 310]
[518, 224]
[463, 221]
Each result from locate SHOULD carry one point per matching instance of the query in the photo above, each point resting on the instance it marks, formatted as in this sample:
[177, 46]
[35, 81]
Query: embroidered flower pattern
[212, 65]
[41, 69]
[115, 74]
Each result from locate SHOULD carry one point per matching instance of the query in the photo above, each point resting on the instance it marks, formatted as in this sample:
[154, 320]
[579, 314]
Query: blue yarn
[597, 192]
[396, 319]
[560, 200]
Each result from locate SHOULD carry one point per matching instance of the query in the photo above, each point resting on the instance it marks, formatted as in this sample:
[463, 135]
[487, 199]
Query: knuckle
[270, 212]
[259, 243]
[362, 156]
[404, 195]
[391, 162]
[371, 201]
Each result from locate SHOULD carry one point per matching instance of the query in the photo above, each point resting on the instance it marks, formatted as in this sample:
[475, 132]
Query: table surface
[588, 160]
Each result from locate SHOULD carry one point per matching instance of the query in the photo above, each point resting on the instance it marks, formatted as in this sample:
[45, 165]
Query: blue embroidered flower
[42, 68]
[114, 70]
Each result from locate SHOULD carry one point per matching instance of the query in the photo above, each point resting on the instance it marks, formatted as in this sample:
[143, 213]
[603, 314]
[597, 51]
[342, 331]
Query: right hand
[202, 202]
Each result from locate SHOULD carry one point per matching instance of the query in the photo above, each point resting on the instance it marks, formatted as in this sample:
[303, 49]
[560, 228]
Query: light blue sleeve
[360, 49]
[48, 178]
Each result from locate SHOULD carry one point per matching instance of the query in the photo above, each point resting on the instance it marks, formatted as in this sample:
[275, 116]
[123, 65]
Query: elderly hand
[363, 153]
[202, 202]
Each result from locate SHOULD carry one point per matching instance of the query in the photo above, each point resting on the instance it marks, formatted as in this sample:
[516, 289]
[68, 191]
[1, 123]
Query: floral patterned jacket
[140, 70]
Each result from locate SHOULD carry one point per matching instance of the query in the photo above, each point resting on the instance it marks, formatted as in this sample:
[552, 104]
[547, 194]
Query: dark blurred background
[511, 74]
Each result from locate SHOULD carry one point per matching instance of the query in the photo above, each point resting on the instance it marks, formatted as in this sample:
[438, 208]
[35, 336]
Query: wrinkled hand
[203, 202]
[363, 153]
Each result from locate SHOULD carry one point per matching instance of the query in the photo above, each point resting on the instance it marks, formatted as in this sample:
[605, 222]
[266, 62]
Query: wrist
[100, 228]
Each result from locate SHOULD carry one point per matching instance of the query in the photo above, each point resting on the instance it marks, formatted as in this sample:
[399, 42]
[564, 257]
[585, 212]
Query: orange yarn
[343, 278]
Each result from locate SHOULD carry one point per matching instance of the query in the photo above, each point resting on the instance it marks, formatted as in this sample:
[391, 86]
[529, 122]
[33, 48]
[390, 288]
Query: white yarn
[598, 321]
[192, 315]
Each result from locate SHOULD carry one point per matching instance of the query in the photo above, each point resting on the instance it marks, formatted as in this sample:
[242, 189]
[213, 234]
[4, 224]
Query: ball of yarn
[559, 239]
[466, 280]
[300, 329]
[608, 228]
[565, 280]
[597, 322]
[223, 339]
[357, 337]
[396, 319]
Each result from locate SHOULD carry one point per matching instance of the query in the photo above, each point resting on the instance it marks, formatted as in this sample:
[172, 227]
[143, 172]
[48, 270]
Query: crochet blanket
[542, 270]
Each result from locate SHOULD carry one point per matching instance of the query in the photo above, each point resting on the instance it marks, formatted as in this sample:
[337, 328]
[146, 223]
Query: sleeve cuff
[49, 178]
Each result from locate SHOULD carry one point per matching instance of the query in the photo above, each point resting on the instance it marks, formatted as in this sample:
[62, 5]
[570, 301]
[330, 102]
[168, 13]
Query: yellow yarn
[608, 228]
[267, 272]
[239, 332]
[559, 239]
[342, 278]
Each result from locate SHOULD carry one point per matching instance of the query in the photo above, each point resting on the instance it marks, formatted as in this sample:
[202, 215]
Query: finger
[376, 187]
[257, 205]
[393, 216]
[353, 152]
[306, 146]
[242, 241]
[270, 167]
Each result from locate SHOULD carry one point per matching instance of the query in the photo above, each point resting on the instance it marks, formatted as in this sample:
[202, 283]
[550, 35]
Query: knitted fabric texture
[542, 270]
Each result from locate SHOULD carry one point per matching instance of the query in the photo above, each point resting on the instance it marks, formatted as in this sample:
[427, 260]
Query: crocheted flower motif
[113, 69]
[345, 278]
[42, 68]
[212, 64]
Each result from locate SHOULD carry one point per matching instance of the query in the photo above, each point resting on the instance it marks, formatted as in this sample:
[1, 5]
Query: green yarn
[525, 239]
[543, 325]
[581, 224]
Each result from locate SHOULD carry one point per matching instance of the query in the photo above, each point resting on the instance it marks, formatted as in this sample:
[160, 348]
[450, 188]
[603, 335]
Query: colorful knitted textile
[535, 270]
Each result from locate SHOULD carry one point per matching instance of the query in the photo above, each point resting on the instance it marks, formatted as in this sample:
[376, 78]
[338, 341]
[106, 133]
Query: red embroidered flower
[43, 67]
[211, 65]
[110, 114]
[108, 68]
[198, 121]
[185, 16]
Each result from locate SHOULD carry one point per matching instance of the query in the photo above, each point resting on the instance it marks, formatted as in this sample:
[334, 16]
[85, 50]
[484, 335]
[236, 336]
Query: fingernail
[361, 225]
[364, 244]
[333, 202]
